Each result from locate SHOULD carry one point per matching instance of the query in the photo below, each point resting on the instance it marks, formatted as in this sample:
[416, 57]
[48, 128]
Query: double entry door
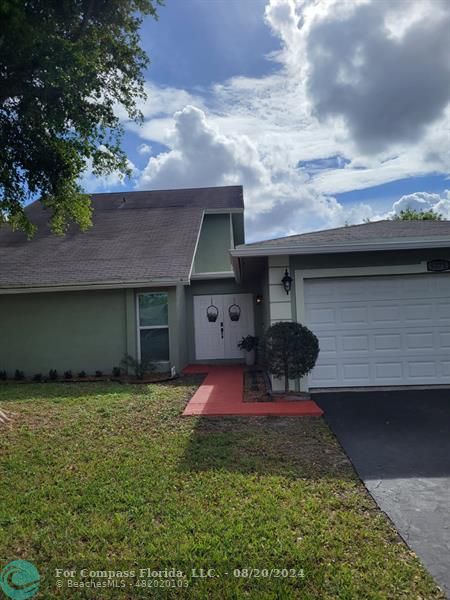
[220, 321]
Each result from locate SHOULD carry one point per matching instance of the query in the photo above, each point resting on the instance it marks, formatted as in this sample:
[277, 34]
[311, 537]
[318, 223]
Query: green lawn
[109, 476]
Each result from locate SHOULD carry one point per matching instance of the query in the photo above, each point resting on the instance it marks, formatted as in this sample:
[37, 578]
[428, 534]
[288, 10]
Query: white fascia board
[191, 270]
[236, 263]
[399, 244]
[94, 286]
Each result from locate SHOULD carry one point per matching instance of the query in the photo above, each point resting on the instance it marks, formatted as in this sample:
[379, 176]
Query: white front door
[218, 338]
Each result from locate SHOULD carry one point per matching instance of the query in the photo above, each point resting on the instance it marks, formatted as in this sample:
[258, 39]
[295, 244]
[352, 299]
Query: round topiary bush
[290, 351]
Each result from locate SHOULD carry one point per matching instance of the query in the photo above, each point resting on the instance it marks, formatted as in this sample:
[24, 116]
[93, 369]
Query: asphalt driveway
[399, 442]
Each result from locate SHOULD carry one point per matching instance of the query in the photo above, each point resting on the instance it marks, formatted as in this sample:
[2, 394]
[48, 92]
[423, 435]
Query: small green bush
[99, 373]
[3, 375]
[140, 367]
[116, 371]
[248, 343]
[37, 377]
[53, 374]
[68, 374]
[82, 374]
[19, 375]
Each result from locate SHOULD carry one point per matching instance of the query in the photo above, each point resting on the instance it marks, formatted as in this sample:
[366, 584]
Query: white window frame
[140, 327]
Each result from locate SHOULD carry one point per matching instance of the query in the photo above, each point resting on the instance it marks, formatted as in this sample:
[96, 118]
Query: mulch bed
[154, 378]
[257, 386]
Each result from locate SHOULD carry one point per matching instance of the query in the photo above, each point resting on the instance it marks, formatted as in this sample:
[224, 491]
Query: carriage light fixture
[287, 282]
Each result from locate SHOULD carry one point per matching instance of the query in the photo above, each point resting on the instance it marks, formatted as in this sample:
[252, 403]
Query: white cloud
[200, 155]
[144, 149]
[424, 201]
[387, 88]
[353, 79]
[94, 183]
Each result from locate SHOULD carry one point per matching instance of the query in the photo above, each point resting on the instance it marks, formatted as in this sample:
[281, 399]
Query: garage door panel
[355, 342]
[419, 312]
[354, 314]
[443, 311]
[389, 370]
[387, 341]
[422, 369]
[355, 372]
[323, 316]
[444, 340]
[445, 368]
[385, 313]
[380, 330]
[420, 340]
[328, 344]
[327, 373]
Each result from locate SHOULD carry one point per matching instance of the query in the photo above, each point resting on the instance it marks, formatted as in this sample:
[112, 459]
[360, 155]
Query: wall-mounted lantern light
[287, 282]
[258, 299]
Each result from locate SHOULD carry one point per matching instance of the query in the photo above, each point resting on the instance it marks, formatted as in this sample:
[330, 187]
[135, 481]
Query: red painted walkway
[222, 393]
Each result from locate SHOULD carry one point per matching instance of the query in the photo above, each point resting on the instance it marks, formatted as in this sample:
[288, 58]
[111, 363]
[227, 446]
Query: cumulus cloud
[144, 149]
[364, 81]
[424, 201]
[200, 155]
[386, 88]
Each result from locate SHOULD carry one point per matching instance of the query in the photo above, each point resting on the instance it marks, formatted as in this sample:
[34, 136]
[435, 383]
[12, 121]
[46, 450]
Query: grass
[107, 476]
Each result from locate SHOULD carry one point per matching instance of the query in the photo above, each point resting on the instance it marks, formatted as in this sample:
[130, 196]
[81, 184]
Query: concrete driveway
[399, 443]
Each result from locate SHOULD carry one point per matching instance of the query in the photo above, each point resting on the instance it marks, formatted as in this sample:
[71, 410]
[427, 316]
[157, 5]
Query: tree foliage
[290, 351]
[410, 214]
[65, 66]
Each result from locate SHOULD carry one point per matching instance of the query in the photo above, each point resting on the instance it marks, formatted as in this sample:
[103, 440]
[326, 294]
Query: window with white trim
[153, 326]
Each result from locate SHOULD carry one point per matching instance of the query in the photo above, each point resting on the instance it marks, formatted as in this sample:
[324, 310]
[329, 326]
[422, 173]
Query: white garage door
[380, 330]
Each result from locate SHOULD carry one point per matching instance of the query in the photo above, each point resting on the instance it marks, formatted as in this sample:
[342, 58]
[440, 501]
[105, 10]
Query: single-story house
[166, 275]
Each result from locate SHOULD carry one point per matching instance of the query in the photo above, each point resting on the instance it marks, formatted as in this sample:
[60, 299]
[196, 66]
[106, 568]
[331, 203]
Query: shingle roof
[377, 230]
[136, 237]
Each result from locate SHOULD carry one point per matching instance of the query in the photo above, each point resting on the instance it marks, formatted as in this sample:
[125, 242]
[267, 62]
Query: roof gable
[136, 238]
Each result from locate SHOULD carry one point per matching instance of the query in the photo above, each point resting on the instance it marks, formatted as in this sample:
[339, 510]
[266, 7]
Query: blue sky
[242, 91]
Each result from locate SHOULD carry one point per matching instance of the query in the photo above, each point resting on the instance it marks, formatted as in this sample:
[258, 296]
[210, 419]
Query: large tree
[65, 65]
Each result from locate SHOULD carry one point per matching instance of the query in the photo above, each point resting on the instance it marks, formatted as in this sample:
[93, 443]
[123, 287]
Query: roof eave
[90, 286]
[398, 244]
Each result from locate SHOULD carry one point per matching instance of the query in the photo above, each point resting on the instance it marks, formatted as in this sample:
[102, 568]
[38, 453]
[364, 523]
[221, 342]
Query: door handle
[221, 330]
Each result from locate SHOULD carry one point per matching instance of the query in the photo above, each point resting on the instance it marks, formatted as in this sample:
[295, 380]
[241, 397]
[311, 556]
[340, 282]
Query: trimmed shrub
[19, 375]
[53, 374]
[116, 371]
[82, 374]
[290, 351]
[3, 375]
[99, 373]
[68, 375]
[37, 377]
